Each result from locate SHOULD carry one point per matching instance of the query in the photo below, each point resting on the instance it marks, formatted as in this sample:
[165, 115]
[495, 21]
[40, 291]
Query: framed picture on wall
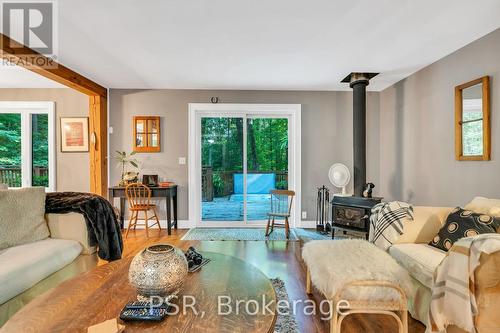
[74, 134]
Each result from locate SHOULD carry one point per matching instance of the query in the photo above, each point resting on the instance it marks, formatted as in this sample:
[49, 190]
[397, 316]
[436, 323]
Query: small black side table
[352, 214]
[169, 193]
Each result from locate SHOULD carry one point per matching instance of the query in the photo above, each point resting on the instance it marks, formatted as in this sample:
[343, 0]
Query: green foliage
[125, 159]
[282, 185]
[472, 132]
[10, 147]
[10, 139]
[218, 183]
[267, 144]
[40, 141]
[222, 148]
[40, 180]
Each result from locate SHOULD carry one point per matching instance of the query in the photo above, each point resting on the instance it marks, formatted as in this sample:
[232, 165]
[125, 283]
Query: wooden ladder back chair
[138, 197]
[281, 208]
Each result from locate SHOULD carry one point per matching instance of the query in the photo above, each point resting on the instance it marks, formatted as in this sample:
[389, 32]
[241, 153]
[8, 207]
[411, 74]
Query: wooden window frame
[147, 148]
[486, 156]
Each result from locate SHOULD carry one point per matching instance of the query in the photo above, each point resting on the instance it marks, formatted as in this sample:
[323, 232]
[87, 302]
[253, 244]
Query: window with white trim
[27, 144]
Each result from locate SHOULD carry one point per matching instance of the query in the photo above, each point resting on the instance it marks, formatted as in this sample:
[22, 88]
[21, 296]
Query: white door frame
[291, 111]
[26, 109]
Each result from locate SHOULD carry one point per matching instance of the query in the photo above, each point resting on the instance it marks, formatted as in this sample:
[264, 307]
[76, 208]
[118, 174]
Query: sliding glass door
[222, 163]
[243, 158]
[267, 163]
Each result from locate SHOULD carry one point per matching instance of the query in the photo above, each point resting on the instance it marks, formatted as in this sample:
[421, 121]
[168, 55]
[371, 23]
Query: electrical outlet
[182, 160]
[304, 215]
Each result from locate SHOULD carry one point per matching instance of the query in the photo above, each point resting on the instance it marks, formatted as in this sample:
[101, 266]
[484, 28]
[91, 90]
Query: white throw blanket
[453, 301]
[333, 264]
[386, 222]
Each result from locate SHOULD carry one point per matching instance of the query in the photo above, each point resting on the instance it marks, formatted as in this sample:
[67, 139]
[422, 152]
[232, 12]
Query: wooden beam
[25, 57]
[98, 145]
[29, 59]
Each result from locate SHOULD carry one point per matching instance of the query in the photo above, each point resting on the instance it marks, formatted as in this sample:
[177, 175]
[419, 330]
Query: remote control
[145, 305]
[143, 314]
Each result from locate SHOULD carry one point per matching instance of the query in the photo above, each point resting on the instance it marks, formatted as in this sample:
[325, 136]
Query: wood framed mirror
[147, 134]
[472, 120]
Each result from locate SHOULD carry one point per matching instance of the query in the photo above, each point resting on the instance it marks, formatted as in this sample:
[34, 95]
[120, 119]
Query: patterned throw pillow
[463, 223]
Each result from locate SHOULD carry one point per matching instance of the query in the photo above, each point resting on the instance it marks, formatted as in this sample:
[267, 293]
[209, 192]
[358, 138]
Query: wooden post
[98, 145]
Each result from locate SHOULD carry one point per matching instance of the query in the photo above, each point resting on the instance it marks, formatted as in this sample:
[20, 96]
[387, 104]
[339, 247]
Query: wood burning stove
[353, 213]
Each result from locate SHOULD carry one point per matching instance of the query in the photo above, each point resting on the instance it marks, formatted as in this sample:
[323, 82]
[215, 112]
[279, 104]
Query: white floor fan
[340, 176]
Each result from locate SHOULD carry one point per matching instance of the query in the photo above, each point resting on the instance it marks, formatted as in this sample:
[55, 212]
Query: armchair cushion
[495, 212]
[463, 223]
[482, 205]
[425, 225]
[420, 260]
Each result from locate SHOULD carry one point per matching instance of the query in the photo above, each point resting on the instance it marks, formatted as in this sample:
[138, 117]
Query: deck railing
[11, 174]
[221, 183]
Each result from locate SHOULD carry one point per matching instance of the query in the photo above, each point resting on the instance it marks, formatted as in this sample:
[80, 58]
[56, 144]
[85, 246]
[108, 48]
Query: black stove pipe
[359, 133]
[358, 83]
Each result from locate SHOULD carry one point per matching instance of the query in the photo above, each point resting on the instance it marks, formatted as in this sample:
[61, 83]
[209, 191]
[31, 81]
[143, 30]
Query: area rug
[285, 322]
[307, 235]
[238, 234]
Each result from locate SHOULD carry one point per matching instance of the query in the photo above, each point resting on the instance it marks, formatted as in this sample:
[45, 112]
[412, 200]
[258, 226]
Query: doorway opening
[238, 154]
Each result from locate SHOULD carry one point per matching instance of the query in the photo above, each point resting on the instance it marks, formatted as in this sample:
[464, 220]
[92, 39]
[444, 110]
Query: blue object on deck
[257, 183]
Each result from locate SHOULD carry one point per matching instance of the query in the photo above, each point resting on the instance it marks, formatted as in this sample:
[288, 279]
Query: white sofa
[30, 269]
[421, 260]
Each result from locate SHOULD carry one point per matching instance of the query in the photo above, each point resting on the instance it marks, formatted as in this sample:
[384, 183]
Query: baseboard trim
[183, 224]
[308, 224]
[186, 224]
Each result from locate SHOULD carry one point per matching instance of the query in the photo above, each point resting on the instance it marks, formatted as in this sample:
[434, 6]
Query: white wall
[416, 133]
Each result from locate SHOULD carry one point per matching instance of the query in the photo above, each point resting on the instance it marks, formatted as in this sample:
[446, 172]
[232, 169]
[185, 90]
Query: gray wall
[326, 132]
[417, 157]
[73, 173]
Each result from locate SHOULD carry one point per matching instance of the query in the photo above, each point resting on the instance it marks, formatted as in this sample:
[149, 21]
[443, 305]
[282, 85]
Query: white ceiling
[263, 44]
[16, 77]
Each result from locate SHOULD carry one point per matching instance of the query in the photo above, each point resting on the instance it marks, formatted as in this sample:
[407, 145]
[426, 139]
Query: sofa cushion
[463, 223]
[22, 216]
[420, 260]
[482, 205]
[25, 265]
[495, 212]
[70, 226]
[425, 224]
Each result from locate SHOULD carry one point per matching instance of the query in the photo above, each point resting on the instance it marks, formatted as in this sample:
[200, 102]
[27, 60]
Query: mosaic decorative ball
[158, 270]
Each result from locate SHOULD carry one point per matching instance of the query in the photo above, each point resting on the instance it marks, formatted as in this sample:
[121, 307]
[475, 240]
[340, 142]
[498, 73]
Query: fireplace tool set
[323, 208]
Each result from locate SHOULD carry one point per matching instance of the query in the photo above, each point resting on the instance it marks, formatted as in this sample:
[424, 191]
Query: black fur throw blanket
[102, 225]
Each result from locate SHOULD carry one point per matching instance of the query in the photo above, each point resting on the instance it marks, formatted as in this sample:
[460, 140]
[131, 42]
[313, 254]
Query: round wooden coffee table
[100, 295]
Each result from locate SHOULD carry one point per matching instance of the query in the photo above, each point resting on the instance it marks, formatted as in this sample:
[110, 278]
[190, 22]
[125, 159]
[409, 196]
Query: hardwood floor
[276, 259]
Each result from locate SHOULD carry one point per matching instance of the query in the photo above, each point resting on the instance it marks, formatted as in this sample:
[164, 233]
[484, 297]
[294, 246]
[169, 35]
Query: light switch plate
[182, 160]
[304, 215]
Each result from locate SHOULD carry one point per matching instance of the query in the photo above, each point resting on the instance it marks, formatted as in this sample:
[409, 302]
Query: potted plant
[124, 160]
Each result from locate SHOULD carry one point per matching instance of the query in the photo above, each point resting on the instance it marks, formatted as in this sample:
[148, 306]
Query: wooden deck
[230, 208]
